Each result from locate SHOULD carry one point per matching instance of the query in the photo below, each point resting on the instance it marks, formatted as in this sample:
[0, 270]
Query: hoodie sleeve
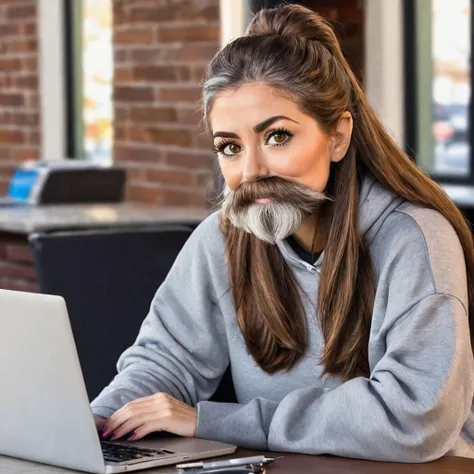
[412, 406]
[181, 348]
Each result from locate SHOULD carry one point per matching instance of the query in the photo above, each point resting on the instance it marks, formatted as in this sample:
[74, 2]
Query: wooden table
[290, 464]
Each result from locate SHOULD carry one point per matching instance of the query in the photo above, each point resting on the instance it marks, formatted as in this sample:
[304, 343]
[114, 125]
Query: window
[438, 87]
[89, 72]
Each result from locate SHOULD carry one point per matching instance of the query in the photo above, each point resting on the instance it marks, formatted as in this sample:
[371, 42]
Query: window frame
[411, 36]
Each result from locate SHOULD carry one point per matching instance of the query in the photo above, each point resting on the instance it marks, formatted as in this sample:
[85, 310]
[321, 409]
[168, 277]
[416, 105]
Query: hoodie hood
[376, 203]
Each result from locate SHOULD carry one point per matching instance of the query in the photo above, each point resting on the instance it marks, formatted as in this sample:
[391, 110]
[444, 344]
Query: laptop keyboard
[114, 452]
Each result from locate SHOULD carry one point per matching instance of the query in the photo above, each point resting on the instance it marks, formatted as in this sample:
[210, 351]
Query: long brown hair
[294, 50]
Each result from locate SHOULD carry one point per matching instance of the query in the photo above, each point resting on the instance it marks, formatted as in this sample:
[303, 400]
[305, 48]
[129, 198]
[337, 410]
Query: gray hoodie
[416, 405]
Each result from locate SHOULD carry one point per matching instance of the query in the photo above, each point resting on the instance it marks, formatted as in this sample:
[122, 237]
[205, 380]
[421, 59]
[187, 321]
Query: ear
[342, 137]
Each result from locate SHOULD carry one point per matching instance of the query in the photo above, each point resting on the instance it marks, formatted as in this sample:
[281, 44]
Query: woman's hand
[99, 421]
[158, 412]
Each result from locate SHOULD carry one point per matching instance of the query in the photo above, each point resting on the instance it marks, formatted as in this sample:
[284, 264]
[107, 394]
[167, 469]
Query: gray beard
[269, 222]
[274, 221]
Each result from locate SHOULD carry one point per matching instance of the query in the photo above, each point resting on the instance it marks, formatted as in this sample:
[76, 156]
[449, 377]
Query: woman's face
[257, 134]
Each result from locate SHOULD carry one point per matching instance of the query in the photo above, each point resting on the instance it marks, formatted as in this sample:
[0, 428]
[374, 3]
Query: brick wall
[17, 271]
[161, 48]
[160, 51]
[19, 108]
[347, 18]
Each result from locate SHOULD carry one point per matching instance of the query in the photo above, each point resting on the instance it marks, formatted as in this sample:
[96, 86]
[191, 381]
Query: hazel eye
[232, 148]
[279, 138]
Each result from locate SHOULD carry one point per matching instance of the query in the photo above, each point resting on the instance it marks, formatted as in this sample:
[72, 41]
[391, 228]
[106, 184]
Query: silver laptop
[45, 414]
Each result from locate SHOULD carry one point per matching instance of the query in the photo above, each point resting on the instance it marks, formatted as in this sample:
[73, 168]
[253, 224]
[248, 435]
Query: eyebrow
[260, 127]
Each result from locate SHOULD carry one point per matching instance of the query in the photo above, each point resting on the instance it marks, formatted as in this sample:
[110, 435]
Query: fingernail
[105, 433]
[112, 437]
[131, 436]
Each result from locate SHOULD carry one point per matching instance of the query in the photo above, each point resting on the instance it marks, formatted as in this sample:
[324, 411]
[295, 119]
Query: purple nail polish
[112, 437]
[105, 433]
[131, 436]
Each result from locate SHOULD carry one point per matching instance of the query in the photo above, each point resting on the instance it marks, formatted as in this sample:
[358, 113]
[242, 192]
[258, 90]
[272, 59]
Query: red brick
[198, 10]
[11, 270]
[19, 285]
[179, 198]
[196, 52]
[131, 36]
[132, 94]
[198, 73]
[5, 151]
[191, 116]
[190, 160]
[12, 136]
[153, 114]
[135, 153]
[123, 74]
[19, 118]
[9, 30]
[31, 99]
[34, 137]
[191, 33]
[30, 64]
[139, 193]
[28, 45]
[156, 73]
[27, 82]
[18, 253]
[151, 14]
[11, 99]
[120, 55]
[146, 55]
[179, 94]
[170, 177]
[202, 140]
[27, 118]
[170, 136]
[121, 114]
[4, 184]
[3, 251]
[20, 12]
[6, 82]
[28, 29]
[6, 168]
[139, 134]
[10, 64]
[135, 174]
[166, 197]
[26, 153]
[185, 73]
[121, 133]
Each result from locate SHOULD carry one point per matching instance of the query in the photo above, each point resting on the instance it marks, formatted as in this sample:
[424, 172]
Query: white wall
[383, 77]
[52, 79]
[233, 19]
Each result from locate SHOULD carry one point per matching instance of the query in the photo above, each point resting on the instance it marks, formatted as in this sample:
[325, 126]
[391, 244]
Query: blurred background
[117, 80]
[105, 169]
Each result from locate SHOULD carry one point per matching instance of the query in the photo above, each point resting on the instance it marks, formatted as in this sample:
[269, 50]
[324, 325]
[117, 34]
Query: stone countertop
[24, 219]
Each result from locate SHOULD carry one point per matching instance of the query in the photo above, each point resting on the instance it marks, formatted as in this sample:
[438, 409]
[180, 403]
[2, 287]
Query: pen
[228, 462]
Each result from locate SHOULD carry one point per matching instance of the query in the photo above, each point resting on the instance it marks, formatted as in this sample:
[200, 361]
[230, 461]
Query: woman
[337, 279]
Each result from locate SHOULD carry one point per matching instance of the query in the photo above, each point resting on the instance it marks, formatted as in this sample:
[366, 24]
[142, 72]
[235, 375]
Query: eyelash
[221, 146]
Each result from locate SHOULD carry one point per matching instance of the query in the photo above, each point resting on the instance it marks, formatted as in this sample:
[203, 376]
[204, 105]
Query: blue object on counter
[22, 183]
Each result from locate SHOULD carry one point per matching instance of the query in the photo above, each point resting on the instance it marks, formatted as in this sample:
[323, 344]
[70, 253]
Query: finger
[132, 424]
[124, 414]
[147, 428]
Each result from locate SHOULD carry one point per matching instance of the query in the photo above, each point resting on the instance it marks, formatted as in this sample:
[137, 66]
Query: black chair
[108, 279]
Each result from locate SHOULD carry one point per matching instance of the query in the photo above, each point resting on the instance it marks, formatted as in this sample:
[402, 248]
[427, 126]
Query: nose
[254, 167]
